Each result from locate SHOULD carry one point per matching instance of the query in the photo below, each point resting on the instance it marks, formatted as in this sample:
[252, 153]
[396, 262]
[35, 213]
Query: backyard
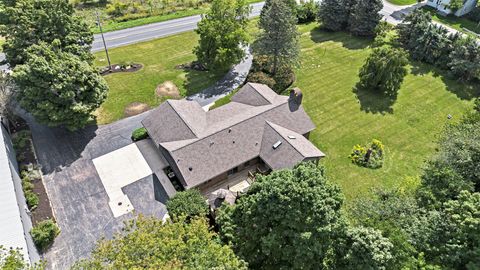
[327, 75]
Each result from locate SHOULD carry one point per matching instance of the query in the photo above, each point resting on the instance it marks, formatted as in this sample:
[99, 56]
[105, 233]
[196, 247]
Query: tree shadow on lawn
[463, 90]
[196, 81]
[374, 102]
[319, 35]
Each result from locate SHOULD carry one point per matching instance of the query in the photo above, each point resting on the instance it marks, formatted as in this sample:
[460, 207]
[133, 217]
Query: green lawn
[327, 76]
[402, 2]
[159, 58]
[457, 23]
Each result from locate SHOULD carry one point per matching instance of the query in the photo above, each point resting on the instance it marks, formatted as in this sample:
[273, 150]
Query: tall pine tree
[278, 39]
[365, 17]
[334, 14]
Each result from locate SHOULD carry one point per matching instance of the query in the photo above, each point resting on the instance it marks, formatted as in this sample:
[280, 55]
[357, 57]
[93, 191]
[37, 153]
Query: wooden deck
[236, 182]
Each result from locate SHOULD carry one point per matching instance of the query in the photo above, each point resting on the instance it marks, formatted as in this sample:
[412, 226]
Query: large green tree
[28, 22]
[334, 14]
[365, 17]
[384, 70]
[148, 243]
[223, 34]
[58, 87]
[278, 38]
[291, 219]
[189, 203]
[465, 59]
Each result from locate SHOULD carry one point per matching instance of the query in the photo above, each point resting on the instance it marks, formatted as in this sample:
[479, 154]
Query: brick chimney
[295, 98]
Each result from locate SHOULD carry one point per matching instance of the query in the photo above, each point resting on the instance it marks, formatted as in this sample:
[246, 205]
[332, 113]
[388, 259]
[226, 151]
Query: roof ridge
[246, 119]
[258, 92]
[181, 117]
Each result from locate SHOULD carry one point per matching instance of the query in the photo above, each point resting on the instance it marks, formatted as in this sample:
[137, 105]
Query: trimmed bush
[261, 77]
[139, 134]
[187, 203]
[44, 233]
[369, 156]
[32, 199]
[261, 72]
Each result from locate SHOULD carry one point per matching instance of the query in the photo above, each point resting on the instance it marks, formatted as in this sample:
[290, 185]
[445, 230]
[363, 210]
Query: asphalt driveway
[77, 195]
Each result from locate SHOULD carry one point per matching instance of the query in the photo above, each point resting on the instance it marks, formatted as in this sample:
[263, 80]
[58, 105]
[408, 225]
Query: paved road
[154, 30]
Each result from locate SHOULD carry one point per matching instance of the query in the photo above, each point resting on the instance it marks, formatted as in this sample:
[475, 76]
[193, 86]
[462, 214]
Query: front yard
[159, 59]
[462, 24]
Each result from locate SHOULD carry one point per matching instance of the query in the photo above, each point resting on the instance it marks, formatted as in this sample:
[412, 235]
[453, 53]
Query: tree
[223, 33]
[12, 259]
[413, 27]
[278, 38]
[287, 220]
[455, 241]
[189, 203]
[365, 17]
[29, 22]
[364, 248]
[334, 14]
[465, 59]
[44, 233]
[147, 243]
[58, 87]
[384, 70]
[7, 92]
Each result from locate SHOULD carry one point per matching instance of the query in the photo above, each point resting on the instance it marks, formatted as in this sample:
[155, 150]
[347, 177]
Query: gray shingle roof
[207, 144]
[292, 147]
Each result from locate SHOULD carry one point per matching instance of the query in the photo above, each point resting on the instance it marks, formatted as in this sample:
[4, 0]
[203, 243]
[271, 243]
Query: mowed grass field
[402, 2]
[327, 76]
[159, 59]
[408, 128]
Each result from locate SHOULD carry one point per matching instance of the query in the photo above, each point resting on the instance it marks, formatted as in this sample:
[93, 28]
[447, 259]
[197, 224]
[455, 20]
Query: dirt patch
[167, 89]
[115, 68]
[135, 108]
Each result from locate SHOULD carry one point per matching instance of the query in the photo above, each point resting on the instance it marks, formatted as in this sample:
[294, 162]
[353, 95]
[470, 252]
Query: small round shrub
[187, 203]
[261, 77]
[369, 156]
[261, 72]
[32, 199]
[139, 134]
[44, 233]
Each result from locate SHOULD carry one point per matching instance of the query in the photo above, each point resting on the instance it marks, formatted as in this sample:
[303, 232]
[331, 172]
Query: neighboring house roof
[206, 144]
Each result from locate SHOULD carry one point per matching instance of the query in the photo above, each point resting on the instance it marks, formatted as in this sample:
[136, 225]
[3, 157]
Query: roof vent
[291, 137]
[277, 144]
[229, 130]
[190, 168]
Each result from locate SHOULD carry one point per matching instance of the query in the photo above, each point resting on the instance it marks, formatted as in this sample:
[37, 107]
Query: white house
[443, 6]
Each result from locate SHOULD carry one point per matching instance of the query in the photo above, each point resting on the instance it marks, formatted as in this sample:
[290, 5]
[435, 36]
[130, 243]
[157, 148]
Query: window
[232, 171]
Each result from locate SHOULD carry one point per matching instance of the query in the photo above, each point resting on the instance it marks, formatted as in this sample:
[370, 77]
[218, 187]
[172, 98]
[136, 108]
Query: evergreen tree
[58, 87]
[365, 17]
[334, 14]
[278, 39]
[465, 59]
[223, 32]
[28, 22]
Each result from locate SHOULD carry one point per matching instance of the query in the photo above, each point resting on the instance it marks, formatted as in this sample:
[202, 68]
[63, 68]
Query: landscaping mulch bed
[116, 68]
[29, 162]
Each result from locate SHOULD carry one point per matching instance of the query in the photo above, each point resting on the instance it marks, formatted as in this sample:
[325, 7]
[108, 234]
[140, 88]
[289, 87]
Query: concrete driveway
[79, 199]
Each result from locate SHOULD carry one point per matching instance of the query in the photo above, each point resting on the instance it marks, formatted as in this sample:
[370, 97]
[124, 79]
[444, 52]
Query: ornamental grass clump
[369, 156]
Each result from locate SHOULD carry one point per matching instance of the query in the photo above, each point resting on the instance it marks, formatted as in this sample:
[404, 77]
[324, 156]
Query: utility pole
[103, 38]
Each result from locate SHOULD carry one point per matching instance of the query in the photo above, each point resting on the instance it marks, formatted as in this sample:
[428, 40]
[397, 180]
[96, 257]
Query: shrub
[261, 77]
[307, 11]
[477, 104]
[187, 203]
[368, 156]
[44, 233]
[261, 72]
[31, 198]
[21, 139]
[139, 134]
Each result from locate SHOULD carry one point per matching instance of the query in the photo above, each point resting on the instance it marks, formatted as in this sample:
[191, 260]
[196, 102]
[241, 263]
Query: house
[15, 222]
[257, 129]
[443, 6]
